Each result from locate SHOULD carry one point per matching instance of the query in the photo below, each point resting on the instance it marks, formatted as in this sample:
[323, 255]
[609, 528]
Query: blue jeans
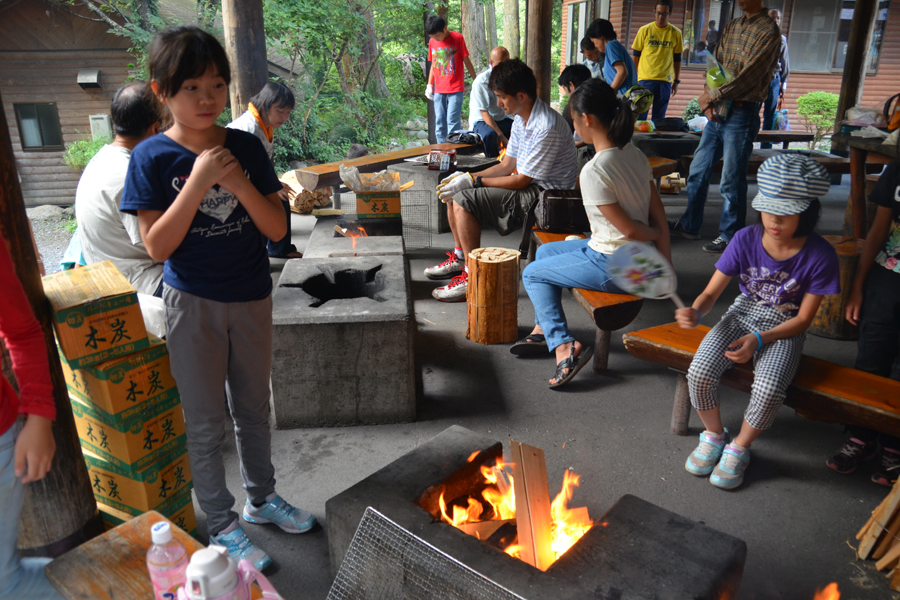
[489, 137]
[283, 247]
[558, 265]
[447, 115]
[733, 141]
[19, 579]
[769, 107]
[662, 91]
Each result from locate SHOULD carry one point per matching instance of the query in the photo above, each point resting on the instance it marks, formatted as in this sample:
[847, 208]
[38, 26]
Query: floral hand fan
[640, 269]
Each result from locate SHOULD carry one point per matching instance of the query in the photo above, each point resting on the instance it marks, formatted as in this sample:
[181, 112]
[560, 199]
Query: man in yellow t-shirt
[657, 56]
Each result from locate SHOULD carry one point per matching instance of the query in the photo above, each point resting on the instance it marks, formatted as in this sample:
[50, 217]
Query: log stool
[493, 295]
[829, 321]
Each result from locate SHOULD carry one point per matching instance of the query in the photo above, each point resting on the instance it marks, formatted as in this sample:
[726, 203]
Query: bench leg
[681, 410]
[532, 250]
[601, 351]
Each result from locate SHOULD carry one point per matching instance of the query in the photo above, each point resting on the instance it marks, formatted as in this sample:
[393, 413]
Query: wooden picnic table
[769, 136]
[328, 174]
[863, 152]
[773, 136]
[113, 566]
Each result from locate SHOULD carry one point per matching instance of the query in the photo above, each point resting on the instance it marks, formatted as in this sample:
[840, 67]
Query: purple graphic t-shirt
[781, 284]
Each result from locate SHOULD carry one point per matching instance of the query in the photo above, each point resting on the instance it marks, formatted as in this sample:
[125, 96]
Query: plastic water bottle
[167, 561]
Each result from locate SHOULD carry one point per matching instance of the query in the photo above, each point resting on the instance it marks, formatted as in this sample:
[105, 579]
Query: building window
[39, 129]
[819, 34]
[578, 19]
[699, 37]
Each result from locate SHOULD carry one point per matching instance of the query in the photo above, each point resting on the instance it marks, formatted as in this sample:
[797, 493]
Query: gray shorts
[504, 210]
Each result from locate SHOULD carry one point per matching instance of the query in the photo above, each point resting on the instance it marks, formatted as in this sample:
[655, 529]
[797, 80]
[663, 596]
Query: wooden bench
[821, 391]
[328, 174]
[831, 164]
[661, 167]
[608, 311]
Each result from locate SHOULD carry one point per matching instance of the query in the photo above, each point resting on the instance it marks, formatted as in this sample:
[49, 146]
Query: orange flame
[568, 524]
[355, 234]
[502, 496]
[829, 593]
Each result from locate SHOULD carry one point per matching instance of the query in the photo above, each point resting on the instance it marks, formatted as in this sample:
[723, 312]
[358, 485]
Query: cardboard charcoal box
[380, 205]
[135, 443]
[96, 314]
[179, 510]
[136, 492]
[121, 388]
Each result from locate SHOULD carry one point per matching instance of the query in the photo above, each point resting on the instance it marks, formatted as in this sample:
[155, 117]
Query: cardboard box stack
[126, 405]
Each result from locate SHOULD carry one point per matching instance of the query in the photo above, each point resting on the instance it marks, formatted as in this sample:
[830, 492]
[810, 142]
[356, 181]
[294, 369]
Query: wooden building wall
[42, 48]
[878, 87]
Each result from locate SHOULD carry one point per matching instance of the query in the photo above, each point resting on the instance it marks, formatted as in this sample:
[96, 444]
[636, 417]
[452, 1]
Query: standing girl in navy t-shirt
[785, 268]
[206, 198]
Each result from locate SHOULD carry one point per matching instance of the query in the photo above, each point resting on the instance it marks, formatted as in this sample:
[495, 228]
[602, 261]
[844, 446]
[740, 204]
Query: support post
[538, 37]
[57, 509]
[245, 43]
[864, 12]
[511, 27]
[601, 350]
[681, 410]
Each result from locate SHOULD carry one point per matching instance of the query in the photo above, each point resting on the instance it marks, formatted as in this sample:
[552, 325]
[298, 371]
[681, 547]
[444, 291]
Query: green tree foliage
[817, 112]
[79, 154]
[691, 110]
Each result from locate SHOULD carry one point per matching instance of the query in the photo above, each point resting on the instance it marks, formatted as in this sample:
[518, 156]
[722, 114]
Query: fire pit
[342, 347]
[359, 237]
[634, 551]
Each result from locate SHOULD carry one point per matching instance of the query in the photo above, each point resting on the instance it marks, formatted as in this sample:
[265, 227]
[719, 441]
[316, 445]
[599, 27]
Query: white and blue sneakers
[240, 547]
[278, 512]
[706, 455]
[724, 462]
[729, 473]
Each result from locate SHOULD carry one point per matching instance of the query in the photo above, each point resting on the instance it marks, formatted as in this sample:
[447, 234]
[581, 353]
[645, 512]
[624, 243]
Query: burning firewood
[513, 511]
[532, 505]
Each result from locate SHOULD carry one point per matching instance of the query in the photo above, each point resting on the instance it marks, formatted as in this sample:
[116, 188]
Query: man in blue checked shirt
[541, 155]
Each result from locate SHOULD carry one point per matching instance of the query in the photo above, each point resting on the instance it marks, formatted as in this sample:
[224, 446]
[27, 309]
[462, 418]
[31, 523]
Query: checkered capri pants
[774, 367]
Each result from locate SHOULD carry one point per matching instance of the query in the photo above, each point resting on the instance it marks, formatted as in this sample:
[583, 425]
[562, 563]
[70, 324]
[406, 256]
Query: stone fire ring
[642, 552]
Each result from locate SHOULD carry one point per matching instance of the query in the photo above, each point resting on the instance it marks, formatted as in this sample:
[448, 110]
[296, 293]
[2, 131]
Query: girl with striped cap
[784, 269]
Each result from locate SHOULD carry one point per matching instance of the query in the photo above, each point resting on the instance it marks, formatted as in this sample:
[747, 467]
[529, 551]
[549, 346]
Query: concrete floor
[797, 516]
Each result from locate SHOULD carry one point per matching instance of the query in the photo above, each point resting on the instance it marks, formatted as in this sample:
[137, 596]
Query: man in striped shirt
[748, 49]
[541, 155]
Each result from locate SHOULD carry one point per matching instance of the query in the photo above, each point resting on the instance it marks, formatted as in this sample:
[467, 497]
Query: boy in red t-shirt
[446, 81]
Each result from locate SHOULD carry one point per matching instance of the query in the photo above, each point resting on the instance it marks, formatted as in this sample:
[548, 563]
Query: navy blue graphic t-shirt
[223, 256]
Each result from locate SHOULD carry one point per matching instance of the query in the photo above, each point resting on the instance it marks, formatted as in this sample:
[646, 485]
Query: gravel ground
[51, 225]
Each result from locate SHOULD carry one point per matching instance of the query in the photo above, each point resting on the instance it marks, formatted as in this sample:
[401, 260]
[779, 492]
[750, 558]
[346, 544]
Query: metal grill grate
[415, 210]
[386, 562]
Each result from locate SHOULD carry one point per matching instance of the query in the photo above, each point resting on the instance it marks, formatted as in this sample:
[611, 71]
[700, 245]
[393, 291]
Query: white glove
[453, 185]
[429, 91]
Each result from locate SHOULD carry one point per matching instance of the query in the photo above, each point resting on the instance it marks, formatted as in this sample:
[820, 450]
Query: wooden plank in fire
[484, 529]
[532, 504]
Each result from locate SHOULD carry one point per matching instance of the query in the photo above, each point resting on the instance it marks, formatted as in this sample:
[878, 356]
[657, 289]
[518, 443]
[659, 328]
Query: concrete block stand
[347, 360]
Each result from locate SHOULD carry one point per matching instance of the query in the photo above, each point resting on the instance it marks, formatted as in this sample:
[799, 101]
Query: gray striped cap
[788, 183]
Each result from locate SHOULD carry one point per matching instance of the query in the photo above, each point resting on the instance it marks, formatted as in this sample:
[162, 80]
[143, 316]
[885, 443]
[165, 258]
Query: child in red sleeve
[26, 451]
[446, 81]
